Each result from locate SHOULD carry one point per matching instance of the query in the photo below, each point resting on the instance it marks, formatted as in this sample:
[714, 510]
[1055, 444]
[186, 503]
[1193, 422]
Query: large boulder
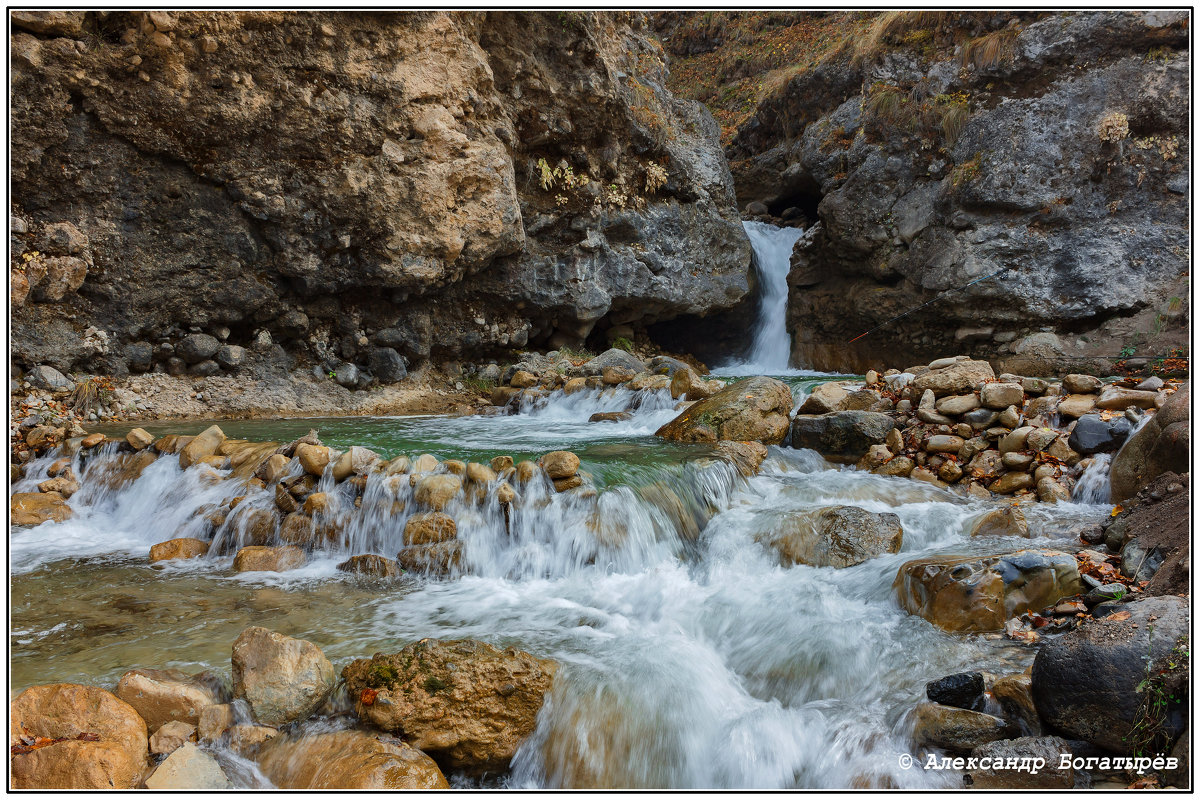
[843, 436]
[34, 508]
[1092, 434]
[751, 410]
[161, 696]
[466, 703]
[201, 446]
[197, 347]
[1091, 683]
[840, 536]
[1160, 446]
[348, 760]
[283, 679]
[824, 399]
[980, 593]
[105, 743]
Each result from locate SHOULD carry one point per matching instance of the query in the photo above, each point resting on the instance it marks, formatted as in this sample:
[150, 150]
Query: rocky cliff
[931, 149]
[358, 188]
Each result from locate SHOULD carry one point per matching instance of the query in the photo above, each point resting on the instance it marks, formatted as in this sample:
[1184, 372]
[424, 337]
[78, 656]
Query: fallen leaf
[1120, 616]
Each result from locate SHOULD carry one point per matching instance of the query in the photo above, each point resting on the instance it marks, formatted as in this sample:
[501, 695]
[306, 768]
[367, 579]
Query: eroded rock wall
[346, 182]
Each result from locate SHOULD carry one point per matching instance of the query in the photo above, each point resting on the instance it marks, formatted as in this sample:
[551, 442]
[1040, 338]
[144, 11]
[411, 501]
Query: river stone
[843, 436]
[1007, 521]
[746, 456]
[1093, 435]
[980, 418]
[465, 702]
[188, 768]
[560, 464]
[1001, 395]
[899, 466]
[1085, 683]
[956, 729]
[943, 444]
[436, 491]
[161, 696]
[259, 558]
[523, 379]
[1118, 398]
[171, 736]
[1050, 490]
[139, 439]
[1011, 482]
[283, 679]
[64, 711]
[956, 405]
[34, 508]
[1048, 749]
[961, 690]
[613, 357]
[370, 564]
[957, 378]
[201, 446]
[297, 529]
[980, 593]
[355, 461]
[824, 398]
[751, 410]
[429, 528]
[425, 463]
[839, 536]
[346, 760]
[1015, 696]
[178, 548]
[438, 558]
[1161, 445]
[1081, 384]
[347, 375]
[1076, 405]
[313, 458]
[197, 347]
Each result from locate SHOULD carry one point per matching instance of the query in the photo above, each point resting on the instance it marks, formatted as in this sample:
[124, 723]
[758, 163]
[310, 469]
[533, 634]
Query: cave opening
[805, 201]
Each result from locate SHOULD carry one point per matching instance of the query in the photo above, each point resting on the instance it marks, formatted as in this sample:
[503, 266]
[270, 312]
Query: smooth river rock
[283, 679]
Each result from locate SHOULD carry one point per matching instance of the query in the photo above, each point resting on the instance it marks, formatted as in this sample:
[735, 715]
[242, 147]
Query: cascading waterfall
[771, 348]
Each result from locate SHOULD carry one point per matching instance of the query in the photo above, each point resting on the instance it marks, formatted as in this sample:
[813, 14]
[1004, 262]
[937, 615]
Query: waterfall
[772, 347]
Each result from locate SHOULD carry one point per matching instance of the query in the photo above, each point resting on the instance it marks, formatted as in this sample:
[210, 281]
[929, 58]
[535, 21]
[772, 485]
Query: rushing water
[690, 658]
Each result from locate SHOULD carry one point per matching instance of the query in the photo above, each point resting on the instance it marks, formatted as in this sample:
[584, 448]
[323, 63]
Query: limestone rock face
[755, 409]
[283, 679]
[348, 760]
[114, 759]
[470, 717]
[966, 594]
[496, 165]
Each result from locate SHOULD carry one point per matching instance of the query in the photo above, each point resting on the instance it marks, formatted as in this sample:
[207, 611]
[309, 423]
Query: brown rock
[275, 467]
[247, 740]
[1002, 395]
[214, 721]
[839, 536]
[755, 409]
[957, 378]
[956, 405]
[34, 508]
[436, 491]
[574, 385]
[1119, 399]
[283, 679]
[1076, 405]
[473, 716]
[347, 760]
[956, 729]
[201, 446]
[178, 548]
[980, 593]
[942, 443]
[162, 696]
[64, 487]
[522, 379]
[139, 439]
[268, 559]
[297, 529]
[616, 375]
[171, 736]
[900, 466]
[746, 456]
[526, 470]
[501, 463]
[370, 564]
[1081, 384]
[313, 458]
[1007, 521]
[1015, 696]
[566, 484]
[429, 528]
[824, 398]
[1011, 482]
[317, 502]
[65, 711]
[560, 464]
[441, 558]
[91, 440]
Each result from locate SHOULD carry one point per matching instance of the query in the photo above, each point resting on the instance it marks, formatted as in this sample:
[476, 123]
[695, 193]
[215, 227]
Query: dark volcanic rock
[961, 690]
[1094, 435]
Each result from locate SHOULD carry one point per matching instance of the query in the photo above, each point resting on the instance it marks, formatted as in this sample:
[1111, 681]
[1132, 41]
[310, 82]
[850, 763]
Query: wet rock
[1085, 683]
[429, 528]
[424, 463]
[899, 466]
[610, 416]
[116, 760]
[560, 464]
[1050, 490]
[980, 593]
[215, 720]
[171, 736]
[43, 437]
[64, 487]
[1015, 696]
[188, 768]
[247, 740]
[440, 558]
[1161, 445]
[877, 455]
[162, 696]
[297, 529]
[355, 461]
[283, 679]
[1008, 521]
[139, 439]
[313, 458]
[346, 760]
[465, 702]
[957, 378]
[566, 484]
[1118, 398]
[824, 398]
[840, 536]
[91, 440]
[755, 409]
[1048, 750]
[612, 376]
[956, 729]
[436, 491]
[843, 436]
[259, 558]
[961, 690]
[34, 508]
[746, 456]
[201, 446]
[370, 564]
[197, 347]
